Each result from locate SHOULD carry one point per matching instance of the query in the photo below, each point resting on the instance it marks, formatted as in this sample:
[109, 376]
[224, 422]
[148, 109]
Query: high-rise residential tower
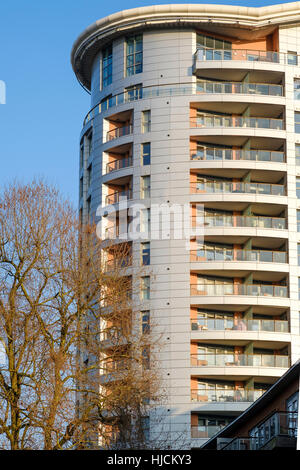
[198, 106]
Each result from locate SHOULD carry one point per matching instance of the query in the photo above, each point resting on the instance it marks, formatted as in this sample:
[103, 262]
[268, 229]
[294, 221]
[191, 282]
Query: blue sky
[41, 122]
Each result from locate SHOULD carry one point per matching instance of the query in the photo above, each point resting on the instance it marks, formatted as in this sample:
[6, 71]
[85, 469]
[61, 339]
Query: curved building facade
[198, 106]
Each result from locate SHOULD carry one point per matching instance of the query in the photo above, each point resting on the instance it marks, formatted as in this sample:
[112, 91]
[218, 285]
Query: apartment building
[199, 106]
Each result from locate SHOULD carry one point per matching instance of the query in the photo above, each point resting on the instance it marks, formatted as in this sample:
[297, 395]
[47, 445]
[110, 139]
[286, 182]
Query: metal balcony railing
[227, 254]
[119, 132]
[203, 54]
[200, 432]
[262, 290]
[278, 424]
[227, 187]
[223, 220]
[215, 121]
[226, 395]
[114, 198]
[208, 154]
[220, 324]
[239, 221]
[239, 87]
[239, 360]
[118, 164]
[114, 264]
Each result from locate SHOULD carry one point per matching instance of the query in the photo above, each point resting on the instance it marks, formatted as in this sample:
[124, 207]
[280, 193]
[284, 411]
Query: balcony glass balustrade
[227, 187]
[223, 220]
[227, 254]
[207, 154]
[263, 290]
[176, 89]
[115, 198]
[214, 121]
[220, 324]
[118, 164]
[226, 395]
[118, 132]
[278, 424]
[239, 87]
[203, 54]
[239, 360]
[200, 432]
[113, 264]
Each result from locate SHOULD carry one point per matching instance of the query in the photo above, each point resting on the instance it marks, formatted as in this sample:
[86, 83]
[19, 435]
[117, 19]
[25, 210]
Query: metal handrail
[119, 132]
[226, 394]
[231, 254]
[220, 324]
[118, 164]
[114, 198]
[260, 290]
[240, 88]
[238, 187]
[214, 120]
[239, 360]
[223, 220]
[237, 154]
[204, 53]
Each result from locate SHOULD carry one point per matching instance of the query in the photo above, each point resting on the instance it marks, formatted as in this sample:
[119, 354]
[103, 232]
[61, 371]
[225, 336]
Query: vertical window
[81, 155]
[81, 188]
[297, 123]
[145, 288]
[146, 153]
[297, 153]
[89, 205]
[107, 66]
[146, 121]
[145, 222]
[145, 253]
[145, 321]
[134, 55]
[145, 186]
[298, 188]
[134, 92]
[296, 89]
[89, 176]
[89, 143]
[292, 58]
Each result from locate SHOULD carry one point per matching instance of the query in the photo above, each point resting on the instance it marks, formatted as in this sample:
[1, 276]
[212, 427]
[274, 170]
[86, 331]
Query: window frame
[133, 65]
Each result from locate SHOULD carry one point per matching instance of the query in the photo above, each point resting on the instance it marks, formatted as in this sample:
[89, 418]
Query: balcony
[118, 132]
[226, 324]
[226, 187]
[115, 198]
[117, 264]
[277, 431]
[222, 220]
[215, 121]
[205, 432]
[227, 254]
[217, 154]
[118, 164]
[239, 360]
[203, 54]
[239, 88]
[239, 289]
[226, 395]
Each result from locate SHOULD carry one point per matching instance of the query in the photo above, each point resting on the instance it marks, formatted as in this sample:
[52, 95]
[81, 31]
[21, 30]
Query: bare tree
[80, 372]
